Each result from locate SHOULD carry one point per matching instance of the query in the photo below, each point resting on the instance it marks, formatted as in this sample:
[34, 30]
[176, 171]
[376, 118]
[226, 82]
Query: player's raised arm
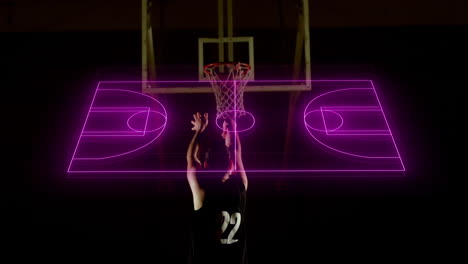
[197, 192]
[238, 153]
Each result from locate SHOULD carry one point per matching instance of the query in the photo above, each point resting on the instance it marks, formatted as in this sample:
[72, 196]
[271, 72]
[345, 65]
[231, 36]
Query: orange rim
[208, 68]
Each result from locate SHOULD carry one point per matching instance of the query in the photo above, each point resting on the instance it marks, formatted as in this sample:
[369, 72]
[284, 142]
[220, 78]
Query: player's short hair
[217, 155]
[213, 151]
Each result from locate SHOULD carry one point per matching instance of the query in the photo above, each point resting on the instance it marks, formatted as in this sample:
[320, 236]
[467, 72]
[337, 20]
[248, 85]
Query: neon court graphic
[340, 128]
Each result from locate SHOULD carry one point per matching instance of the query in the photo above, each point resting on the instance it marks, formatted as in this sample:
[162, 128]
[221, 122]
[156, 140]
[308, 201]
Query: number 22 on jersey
[234, 219]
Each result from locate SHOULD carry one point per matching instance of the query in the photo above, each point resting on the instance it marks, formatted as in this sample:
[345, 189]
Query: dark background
[51, 70]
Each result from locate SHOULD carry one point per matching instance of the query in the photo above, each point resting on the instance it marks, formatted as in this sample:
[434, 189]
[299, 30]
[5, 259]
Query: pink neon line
[110, 135]
[308, 113]
[360, 175]
[360, 135]
[316, 110]
[385, 118]
[249, 170]
[123, 111]
[352, 110]
[86, 120]
[363, 130]
[324, 123]
[353, 106]
[235, 127]
[146, 123]
[253, 171]
[339, 151]
[117, 110]
[121, 154]
[238, 131]
[110, 132]
[124, 153]
[325, 80]
[115, 133]
[122, 90]
[128, 121]
[120, 107]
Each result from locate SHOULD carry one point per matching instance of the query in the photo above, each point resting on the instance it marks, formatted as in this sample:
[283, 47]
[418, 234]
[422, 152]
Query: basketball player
[219, 199]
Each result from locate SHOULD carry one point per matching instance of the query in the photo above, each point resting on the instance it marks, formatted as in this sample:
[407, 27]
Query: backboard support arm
[148, 62]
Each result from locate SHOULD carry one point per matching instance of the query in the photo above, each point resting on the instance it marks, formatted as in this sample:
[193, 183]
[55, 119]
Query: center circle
[243, 123]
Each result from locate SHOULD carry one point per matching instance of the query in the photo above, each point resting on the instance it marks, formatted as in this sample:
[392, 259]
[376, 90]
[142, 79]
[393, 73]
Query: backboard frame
[302, 48]
[222, 41]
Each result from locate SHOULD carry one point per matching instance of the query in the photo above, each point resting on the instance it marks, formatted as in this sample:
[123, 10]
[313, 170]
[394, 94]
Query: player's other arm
[239, 161]
[198, 193]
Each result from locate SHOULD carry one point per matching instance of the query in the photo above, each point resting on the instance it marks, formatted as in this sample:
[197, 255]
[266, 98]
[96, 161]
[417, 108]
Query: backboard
[216, 31]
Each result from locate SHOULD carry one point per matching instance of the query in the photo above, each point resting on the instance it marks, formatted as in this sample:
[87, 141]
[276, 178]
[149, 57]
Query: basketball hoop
[228, 81]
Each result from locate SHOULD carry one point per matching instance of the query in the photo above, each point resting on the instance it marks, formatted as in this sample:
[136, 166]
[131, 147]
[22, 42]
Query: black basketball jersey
[219, 228]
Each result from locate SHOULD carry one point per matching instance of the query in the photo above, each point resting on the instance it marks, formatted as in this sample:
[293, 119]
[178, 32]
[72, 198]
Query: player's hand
[197, 122]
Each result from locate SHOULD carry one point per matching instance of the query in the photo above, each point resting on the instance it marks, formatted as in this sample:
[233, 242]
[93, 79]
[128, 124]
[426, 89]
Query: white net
[228, 81]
